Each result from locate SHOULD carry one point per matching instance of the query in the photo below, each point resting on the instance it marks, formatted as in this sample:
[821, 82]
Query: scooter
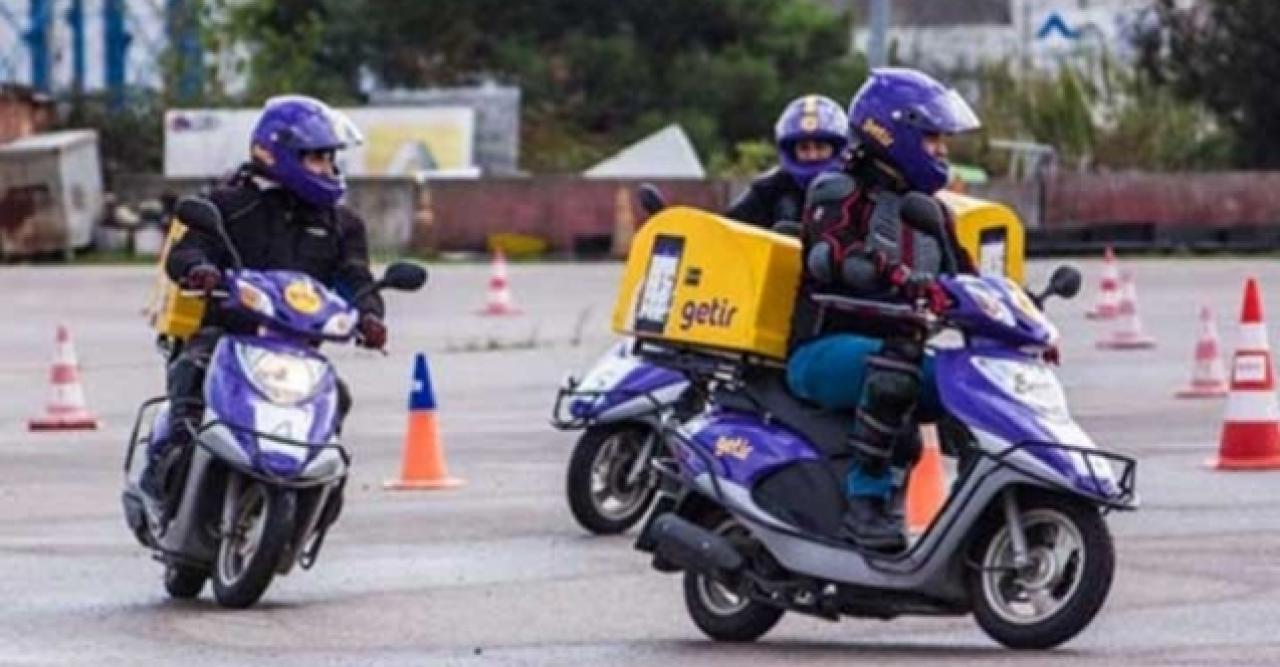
[263, 481]
[617, 406]
[751, 509]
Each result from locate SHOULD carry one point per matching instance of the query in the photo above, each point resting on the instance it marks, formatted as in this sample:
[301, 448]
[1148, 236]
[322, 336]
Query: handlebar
[897, 311]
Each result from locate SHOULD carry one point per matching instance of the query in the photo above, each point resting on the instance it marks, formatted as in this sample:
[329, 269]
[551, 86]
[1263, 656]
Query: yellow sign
[738, 448]
[301, 295]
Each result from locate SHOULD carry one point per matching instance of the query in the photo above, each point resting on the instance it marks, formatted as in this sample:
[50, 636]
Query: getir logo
[714, 313]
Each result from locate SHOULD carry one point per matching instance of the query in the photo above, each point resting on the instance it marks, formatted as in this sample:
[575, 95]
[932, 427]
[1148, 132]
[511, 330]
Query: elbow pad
[820, 262]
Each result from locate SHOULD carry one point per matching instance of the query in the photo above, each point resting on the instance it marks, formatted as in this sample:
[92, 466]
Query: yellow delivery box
[991, 232]
[696, 279]
[172, 313]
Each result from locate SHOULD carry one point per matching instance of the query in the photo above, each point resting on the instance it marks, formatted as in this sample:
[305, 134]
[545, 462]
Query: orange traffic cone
[66, 410]
[1208, 379]
[1130, 335]
[1108, 303]
[927, 488]
[1251, 428]
[423, 466]
[500, 302]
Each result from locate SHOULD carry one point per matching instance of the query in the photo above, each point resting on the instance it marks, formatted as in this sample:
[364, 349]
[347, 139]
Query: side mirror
[201, 215]
[923, 214]
[651, 199]
[1065, 282]
[404, 276]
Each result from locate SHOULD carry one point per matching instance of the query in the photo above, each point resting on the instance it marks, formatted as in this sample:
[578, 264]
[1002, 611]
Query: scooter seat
[764, 391]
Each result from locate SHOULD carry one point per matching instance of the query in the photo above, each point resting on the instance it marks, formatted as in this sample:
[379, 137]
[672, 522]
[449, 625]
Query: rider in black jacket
[811, 136]
[281, 212]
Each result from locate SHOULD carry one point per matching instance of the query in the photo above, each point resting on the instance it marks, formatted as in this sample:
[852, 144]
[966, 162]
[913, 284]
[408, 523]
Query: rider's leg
[833, 372]
[186, 402]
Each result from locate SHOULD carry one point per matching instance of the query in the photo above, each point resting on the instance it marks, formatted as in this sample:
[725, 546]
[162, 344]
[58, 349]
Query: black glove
[203, 277]
[373, 333]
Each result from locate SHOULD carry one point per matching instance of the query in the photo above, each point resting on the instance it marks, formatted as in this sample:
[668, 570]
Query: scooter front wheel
[604, 495]
[1057, 593]
[261, 525]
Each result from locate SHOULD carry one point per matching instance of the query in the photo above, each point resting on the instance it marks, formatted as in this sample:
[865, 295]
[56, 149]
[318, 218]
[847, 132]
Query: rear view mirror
[404, 276]
[651, 199]
[201, 215]
[1065, 282]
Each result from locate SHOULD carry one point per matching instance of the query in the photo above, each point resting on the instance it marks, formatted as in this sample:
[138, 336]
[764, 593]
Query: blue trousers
[831, 372]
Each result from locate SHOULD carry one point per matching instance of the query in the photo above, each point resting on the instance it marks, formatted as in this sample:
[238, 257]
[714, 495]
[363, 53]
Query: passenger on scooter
[855, 244]
[281, 212]
[811, 135]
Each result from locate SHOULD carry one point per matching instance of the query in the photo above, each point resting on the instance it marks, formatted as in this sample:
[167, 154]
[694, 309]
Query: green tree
[596, 75]
[1224, 54]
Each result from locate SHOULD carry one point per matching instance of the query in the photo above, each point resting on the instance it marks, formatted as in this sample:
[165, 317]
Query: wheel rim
[1042, 589]
[612, 496]
[239, 546]
[715, 596]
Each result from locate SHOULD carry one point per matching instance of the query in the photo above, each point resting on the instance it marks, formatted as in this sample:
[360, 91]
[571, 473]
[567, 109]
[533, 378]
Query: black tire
[1079, 601]
[240, 584]
[722, 619]
[183, 582]
[587, 508]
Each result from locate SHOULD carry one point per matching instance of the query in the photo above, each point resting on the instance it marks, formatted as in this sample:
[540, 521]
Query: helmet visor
[944, 113]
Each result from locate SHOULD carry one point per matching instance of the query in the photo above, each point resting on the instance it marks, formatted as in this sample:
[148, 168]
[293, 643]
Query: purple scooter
[751, 511]
[618, 406]
[264, 480]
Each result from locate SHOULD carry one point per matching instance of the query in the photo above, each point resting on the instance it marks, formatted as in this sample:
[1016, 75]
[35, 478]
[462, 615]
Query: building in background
[497, 112]
[960, 36]
[398, 141]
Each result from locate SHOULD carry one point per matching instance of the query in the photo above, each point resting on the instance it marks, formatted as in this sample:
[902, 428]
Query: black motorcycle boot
[868, 524]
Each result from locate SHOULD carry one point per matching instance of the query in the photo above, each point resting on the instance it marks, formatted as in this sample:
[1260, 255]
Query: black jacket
[774, 196]
[272, 229]
[840, 216]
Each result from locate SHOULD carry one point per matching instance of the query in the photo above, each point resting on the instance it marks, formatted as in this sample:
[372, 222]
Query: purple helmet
[291, 125]
[812, 117]
[894, 110]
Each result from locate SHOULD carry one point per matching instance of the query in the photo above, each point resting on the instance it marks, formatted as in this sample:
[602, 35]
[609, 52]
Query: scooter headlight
[284, 379]
[255, 299]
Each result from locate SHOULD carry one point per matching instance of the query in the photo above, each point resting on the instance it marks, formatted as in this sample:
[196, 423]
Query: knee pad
[890, 392]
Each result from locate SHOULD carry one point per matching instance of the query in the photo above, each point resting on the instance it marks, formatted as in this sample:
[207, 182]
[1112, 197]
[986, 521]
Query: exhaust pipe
[692, 547]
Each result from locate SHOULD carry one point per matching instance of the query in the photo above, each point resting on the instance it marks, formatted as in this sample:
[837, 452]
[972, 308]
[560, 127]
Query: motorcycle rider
[855, 244]
[280, 211]
[811, 135]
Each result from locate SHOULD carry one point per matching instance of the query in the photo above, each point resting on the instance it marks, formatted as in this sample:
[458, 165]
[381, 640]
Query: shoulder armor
[831, 187]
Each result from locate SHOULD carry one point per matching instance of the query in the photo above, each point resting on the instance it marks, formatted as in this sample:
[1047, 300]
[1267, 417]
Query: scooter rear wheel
[722, 613]
[1058, 594]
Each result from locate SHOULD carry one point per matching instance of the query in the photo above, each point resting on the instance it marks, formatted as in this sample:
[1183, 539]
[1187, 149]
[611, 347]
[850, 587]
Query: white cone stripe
[1253, 336]
[1252, 406]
